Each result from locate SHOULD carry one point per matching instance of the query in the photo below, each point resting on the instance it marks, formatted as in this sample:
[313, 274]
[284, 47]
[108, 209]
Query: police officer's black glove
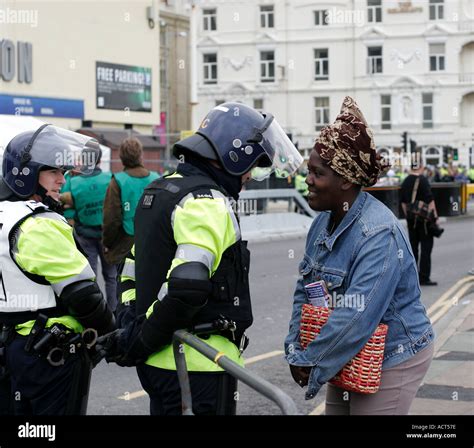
[125, 346]
[96, 354]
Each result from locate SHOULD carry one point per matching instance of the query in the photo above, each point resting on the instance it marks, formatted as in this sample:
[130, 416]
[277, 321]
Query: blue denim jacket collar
[352, 214]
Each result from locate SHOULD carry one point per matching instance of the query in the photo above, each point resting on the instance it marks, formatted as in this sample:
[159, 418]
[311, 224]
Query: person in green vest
[86, 196]
[190, 264]
[121, 200]
[49, 294]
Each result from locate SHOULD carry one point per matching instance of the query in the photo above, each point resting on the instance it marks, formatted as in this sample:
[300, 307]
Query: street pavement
[447, 389]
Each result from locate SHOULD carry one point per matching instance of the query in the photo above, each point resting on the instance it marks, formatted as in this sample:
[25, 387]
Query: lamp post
[169, 53]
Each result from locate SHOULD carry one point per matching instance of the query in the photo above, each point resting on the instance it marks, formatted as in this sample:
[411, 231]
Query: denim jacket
[370, 272]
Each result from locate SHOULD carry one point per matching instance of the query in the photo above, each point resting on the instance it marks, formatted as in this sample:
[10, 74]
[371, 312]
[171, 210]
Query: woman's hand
[300, 374]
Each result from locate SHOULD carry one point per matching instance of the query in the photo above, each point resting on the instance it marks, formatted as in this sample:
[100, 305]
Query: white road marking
[318, 410]
[263, 356]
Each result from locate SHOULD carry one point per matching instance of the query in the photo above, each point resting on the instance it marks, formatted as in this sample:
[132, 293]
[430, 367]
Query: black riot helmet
[241, 139]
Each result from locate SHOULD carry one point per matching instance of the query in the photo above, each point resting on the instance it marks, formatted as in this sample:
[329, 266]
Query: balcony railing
[466, 25]
[466, 78]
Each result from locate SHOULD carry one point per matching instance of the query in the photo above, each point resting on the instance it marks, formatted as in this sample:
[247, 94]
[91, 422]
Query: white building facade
[409, 65]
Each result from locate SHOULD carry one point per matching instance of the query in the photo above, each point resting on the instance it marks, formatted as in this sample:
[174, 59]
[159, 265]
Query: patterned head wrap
[348, 147]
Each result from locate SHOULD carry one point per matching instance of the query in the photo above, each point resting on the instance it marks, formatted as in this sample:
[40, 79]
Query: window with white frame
[321, 64]
[374, 60]
[267, 66]
[321, 109]
[386, 111]
[266, 16]
[321, 17]
[210, 68]
[437, 57]
[427, 104]
[436, 9]
[374, 11]
[258, 104]
[209, 19]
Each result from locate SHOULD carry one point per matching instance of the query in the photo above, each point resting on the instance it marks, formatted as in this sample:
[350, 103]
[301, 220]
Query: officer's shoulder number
[203, 193]
[147, 200]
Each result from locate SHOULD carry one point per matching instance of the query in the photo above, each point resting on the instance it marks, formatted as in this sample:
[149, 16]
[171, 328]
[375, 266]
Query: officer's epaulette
[203, 193]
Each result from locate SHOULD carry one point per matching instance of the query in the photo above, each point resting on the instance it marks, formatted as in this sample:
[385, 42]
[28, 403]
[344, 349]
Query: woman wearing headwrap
[359, 249]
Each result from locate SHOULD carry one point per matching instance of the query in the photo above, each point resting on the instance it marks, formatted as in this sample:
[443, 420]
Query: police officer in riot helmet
[189, 267]
[51, 307]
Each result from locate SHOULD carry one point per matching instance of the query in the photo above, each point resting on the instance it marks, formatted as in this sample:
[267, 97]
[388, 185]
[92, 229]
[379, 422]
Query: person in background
[86, 196]
[121, 200]
[300, 184]
[417, 227]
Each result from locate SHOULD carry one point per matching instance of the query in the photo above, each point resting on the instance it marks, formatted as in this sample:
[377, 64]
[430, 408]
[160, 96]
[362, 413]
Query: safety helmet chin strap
[50, 202]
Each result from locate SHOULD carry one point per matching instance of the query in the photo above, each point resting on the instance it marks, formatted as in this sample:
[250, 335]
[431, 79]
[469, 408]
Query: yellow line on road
[453, 302]
[449, 294]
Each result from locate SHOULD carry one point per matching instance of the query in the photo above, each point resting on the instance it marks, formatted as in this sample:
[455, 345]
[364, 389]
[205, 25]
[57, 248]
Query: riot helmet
[48, 147]
[241, 139]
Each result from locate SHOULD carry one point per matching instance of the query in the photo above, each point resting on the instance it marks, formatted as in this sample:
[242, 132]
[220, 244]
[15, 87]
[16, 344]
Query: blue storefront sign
[41, 107]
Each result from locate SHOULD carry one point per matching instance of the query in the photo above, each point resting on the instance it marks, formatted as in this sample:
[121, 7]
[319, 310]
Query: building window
[437, 55]
[374, 11]
[321, 64]
[321, 17]
[266, 16]
[436, 9]
[386, 109]
[427, 100]
[374, 60]
[321, 107]
[210, 68]
[258, 104]
[267, 66]
[209, 19]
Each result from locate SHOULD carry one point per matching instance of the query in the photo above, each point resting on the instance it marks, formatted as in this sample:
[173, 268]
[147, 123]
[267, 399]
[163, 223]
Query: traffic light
[405, 141]
[412, 146]
[455, 154]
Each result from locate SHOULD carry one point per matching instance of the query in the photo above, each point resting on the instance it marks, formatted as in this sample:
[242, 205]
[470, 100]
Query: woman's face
[52, 181]
[324, 184]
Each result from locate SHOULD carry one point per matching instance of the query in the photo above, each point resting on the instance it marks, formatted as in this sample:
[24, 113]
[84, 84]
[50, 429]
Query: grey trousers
[398, 387]
[93, 249]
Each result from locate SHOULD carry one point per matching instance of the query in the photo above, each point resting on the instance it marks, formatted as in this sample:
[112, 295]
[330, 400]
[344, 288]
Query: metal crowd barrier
[279, 193]
[273, 393]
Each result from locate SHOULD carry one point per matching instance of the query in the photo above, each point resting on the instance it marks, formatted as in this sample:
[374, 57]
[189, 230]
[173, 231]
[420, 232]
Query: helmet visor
[63, 149]
[283, 154]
